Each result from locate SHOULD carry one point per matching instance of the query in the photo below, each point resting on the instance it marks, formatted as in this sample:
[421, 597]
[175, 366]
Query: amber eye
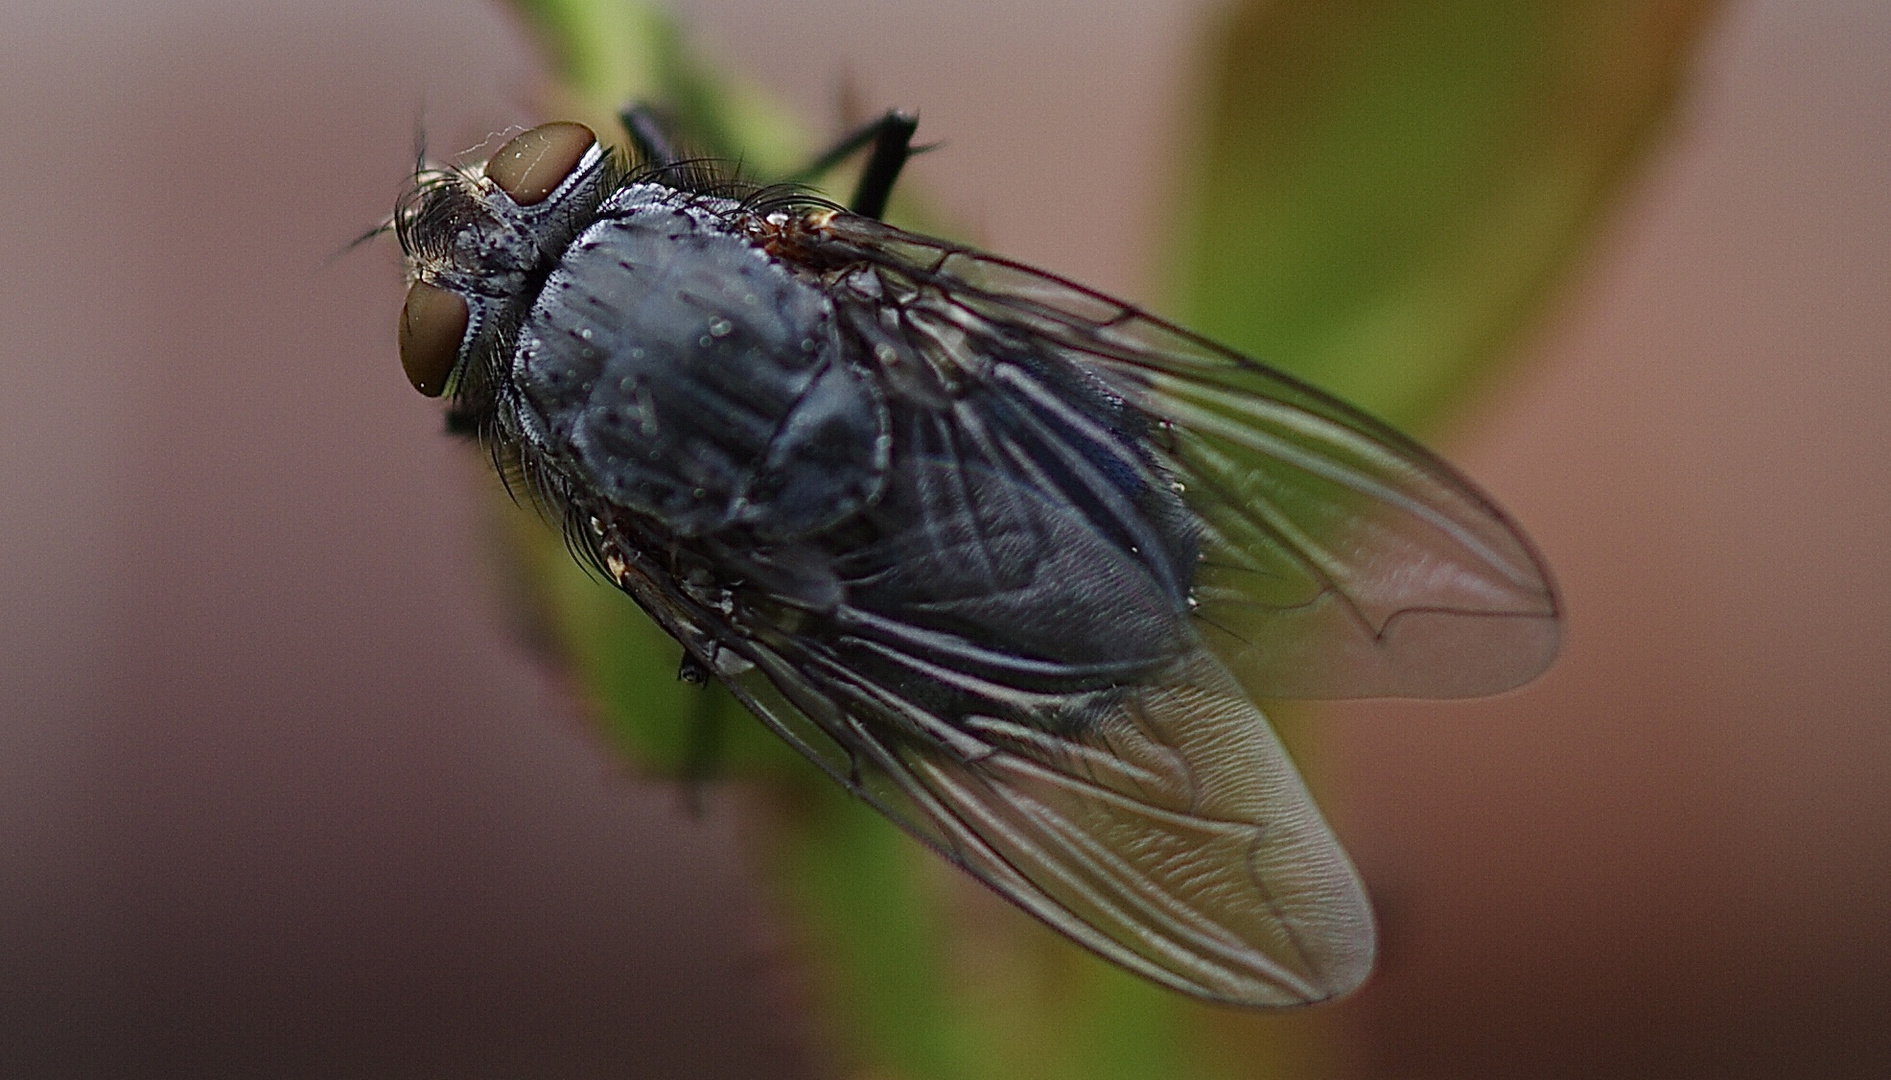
[531, 166]
[432, 323]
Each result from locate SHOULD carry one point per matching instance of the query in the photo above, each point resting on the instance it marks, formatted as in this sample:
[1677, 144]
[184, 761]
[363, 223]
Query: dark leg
[892, 139]
[892, 145]
[702, 754]
[648, 136]
[692, 671]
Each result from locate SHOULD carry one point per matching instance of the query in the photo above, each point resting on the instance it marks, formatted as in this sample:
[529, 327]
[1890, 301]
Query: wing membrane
[1340, 558]
[1144, 809]
[1171, 835]
[1003, 662]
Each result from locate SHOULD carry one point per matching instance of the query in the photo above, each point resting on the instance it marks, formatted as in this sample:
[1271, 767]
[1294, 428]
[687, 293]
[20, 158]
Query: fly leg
[892, 145]
[648, 135]
[702, 753]
[891, 137]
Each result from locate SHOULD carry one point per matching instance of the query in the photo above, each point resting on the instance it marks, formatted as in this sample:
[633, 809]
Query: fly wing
[997, 653]
[1001, 660]
[1170, 834]
[1339, 558]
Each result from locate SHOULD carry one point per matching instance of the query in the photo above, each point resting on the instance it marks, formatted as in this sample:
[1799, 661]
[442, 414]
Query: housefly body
[1005, 557]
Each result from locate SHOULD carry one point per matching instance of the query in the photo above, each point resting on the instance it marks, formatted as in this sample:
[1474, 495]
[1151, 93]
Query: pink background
[279, 797]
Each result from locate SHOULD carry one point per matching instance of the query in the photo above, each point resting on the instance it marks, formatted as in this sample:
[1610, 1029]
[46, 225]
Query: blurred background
[281, 795]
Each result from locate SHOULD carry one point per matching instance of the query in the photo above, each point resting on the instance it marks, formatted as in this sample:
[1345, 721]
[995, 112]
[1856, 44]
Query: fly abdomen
[682, 373]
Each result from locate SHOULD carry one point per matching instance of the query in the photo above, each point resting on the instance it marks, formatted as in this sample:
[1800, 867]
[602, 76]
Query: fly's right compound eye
[433, 323]
[532, 165]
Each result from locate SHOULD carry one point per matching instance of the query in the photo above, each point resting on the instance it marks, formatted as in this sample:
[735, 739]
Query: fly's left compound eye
[532, 165]
[433, 321]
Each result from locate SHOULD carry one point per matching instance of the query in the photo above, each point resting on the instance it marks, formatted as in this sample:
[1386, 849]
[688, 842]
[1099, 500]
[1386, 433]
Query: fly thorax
[679, 371]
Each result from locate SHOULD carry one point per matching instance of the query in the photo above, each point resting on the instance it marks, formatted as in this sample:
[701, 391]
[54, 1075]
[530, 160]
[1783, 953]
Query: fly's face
[480, 241]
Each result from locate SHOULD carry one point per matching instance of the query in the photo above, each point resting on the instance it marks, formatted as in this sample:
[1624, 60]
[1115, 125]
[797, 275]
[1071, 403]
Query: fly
[1005, 557]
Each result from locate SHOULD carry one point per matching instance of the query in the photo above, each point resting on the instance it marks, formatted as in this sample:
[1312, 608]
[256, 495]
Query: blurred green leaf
[610, 53]
[1384, 192]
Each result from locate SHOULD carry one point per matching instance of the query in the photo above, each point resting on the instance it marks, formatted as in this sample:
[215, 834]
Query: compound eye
[532, 165]
[433, 322]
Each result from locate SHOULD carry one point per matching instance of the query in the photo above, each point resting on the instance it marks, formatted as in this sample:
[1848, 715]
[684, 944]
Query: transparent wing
[1340, 558]
[1171, 835]
[1138, 802]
